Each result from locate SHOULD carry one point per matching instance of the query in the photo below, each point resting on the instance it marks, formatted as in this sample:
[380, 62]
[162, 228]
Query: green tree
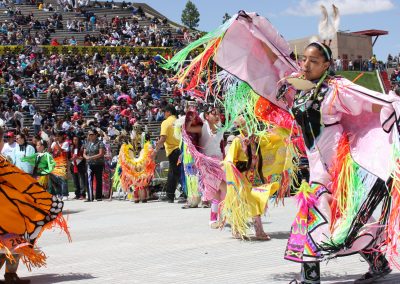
[225, 18]
[190, 15]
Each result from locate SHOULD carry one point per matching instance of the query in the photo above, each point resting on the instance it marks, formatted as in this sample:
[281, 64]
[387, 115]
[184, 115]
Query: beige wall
[352, 45]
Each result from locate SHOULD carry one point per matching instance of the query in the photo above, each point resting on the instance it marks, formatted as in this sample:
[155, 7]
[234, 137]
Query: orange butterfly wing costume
[26, 210]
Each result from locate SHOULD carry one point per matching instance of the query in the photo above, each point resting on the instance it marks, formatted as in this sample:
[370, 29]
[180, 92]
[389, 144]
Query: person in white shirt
[112, 132]
[25, 105]
[23, 149]
[37, 122]
[210, 145]
[66, 125]
[9, 145]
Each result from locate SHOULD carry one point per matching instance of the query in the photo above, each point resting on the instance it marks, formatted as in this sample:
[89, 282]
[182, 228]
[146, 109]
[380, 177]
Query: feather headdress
[327, 26]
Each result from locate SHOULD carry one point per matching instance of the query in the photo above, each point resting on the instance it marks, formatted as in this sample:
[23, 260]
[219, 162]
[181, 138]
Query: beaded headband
[324, 49]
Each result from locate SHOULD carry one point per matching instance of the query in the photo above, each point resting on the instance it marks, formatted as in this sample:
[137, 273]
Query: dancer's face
[39, 147]
[213, 117]
[313, 64]
[20, 140]
[75, 140]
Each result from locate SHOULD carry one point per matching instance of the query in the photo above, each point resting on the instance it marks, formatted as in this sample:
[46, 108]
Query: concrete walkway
[123, 242]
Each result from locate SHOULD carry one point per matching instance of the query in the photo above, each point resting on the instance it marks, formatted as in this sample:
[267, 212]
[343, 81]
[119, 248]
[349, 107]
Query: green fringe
[192, 181]
[176, 62]
[240, 100]
[356, 195]
[116, 177]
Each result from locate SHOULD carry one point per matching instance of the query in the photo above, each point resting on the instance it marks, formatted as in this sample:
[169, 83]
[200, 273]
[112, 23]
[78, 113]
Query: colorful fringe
[239, 101]
[245, 200]
[393, 222]
[132, 172]
[356, 195]
[31, 256]
[207, 168]
[235, 207]
[60, 169]
[197, 65]
[348, 192]
[191, 178]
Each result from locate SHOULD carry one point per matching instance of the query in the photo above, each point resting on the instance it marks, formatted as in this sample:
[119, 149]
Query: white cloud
[346, 7]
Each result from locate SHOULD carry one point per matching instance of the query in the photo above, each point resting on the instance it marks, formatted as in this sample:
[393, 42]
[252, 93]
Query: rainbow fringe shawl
[191, 186]
[132, 172]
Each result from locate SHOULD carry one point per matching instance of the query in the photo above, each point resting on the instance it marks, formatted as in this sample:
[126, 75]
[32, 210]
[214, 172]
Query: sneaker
[165, 199]
[372, 276]
[205, 204]
[182, 200]
[215, 225]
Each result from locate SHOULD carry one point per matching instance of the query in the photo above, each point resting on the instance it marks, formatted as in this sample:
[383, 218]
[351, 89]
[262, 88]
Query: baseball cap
[10, 134]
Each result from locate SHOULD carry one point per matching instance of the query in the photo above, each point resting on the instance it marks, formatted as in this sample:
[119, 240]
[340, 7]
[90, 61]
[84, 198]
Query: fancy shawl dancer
[58, 179]
[135, 173]
[351, 138]
[26, 211]
[239, 101]
[189, 175]
[212, 179]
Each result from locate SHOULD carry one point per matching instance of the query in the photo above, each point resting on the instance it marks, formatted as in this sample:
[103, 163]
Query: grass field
[368, 80]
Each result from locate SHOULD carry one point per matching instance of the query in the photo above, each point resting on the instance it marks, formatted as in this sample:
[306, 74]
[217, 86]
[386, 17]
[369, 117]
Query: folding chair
[160, 178]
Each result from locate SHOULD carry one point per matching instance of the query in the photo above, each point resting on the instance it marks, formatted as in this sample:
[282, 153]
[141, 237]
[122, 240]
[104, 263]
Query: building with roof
[354, 46]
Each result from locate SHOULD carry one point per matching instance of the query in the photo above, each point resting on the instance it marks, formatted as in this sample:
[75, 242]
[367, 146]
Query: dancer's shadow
[69, 212]
[335, 278]
[279, 235]
[340, 278]
[57, 278]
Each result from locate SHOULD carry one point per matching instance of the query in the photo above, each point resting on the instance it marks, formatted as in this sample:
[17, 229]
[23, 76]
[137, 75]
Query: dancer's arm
[193, 129]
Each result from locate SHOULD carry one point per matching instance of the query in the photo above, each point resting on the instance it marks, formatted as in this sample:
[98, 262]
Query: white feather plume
[323, 26]
[336, 17]
[328, 27]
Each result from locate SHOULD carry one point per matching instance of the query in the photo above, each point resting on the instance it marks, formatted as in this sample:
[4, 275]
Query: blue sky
[299, 18]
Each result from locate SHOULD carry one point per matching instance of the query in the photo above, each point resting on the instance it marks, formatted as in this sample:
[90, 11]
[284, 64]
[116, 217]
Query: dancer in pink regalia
[351, 138]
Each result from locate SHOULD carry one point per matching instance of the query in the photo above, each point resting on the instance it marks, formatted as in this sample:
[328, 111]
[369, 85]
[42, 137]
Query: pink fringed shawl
[209, 169]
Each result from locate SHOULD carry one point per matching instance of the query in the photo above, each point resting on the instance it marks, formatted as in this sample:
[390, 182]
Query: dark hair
[44, 143]
[325, 50]
[170, 108]
[80, 142]
[397, 91]
[94, 131]
[210, 108]
[22, 135]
